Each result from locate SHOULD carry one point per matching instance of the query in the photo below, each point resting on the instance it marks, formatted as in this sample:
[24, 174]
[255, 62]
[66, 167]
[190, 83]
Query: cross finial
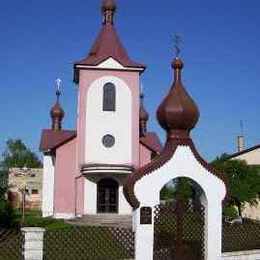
[58, 83]
[177, 44]
[108, 8]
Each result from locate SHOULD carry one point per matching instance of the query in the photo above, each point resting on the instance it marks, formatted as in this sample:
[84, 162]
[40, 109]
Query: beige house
[28, 180]
[252, 157]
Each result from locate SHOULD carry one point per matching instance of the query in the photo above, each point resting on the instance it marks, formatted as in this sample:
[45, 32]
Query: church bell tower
[108, 110]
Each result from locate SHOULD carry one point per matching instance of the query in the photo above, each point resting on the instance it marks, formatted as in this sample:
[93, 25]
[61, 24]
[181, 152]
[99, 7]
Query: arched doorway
[107, 196]
[179, 222]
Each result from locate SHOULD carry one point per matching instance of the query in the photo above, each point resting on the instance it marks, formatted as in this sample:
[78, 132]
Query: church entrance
[107, 196]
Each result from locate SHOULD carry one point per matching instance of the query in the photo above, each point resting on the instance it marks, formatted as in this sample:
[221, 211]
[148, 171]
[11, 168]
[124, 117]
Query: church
[85, 169]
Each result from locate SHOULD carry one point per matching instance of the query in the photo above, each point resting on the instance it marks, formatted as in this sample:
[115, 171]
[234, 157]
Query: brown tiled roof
[244, 151]
[152, 142]
[108, 45]
[51, 139]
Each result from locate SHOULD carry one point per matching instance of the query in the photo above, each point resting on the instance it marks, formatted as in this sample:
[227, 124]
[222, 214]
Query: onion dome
[143, 117]
[108, 9]
[178, 114]
[57, 114]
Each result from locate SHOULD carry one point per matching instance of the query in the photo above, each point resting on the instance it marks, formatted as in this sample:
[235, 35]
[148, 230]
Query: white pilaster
[48, 186]
[124, 207]
[90, 197]
[144, 239]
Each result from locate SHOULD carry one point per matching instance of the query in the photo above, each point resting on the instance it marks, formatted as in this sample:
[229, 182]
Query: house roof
[51, 140]
[244, 151]
[152, 142]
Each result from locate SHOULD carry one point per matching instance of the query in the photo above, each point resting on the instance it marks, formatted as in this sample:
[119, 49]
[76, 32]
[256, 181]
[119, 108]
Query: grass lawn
[34, 219]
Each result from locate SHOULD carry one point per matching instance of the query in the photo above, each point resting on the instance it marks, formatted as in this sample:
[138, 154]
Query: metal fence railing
[89, 243]
[241, 237]
[11, 242]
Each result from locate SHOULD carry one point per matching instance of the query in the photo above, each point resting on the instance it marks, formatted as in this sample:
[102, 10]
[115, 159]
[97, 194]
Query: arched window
[109, 97]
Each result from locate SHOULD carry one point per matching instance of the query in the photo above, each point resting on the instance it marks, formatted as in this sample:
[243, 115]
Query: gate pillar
[143, 238]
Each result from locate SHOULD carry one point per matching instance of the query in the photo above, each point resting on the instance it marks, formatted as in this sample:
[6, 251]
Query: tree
[8, 216]
[18, 155]
[244, 181]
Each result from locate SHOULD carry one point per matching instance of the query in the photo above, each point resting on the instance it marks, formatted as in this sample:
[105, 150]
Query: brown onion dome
[178, 113]
[143, 117]
[57, 114]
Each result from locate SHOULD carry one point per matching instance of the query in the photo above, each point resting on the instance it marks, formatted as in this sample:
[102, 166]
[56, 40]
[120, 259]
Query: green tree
[8, 216]
[244, 181]
[18, 155]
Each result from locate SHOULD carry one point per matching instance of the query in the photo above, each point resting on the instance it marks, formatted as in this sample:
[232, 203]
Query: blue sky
[40, 40]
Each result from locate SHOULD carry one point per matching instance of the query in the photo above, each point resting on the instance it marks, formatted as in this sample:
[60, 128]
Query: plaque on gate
[146, 216]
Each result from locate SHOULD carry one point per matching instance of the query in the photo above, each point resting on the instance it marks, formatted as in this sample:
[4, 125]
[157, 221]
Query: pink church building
[85, 169]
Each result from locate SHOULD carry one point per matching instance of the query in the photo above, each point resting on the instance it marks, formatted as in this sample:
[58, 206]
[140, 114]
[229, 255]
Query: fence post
[33, 243]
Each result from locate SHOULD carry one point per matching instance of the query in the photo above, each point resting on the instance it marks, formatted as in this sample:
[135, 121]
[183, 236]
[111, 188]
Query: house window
[109, 97]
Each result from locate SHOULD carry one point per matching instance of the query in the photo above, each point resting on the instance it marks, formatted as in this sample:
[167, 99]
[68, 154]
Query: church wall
[65, 173]
[87, 77]
[145, 155]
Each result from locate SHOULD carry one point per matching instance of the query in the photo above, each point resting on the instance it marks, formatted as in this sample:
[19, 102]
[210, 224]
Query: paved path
[107, 220]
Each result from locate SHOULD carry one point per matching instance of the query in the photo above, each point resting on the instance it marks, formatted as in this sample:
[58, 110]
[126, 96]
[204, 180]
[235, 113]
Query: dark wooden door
[107, 196]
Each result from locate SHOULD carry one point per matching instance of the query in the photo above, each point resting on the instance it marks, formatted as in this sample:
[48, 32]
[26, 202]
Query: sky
[40, 40]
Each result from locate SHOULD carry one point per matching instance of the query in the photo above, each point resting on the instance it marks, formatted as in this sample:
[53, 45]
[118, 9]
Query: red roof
[152, 142]
[50, 139]
[108, 45]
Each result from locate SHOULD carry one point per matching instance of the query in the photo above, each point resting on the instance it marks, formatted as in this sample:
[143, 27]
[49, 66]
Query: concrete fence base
[242, 255]
[33, 243]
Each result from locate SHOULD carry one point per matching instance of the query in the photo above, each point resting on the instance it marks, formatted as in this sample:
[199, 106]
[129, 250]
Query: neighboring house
[85, 169]
[252, 157]
[28, 180]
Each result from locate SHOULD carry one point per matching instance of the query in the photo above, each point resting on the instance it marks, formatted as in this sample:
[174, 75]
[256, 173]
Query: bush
[9, 217]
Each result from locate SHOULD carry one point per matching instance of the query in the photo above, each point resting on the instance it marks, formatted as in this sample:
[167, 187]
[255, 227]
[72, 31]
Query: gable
[110, 63]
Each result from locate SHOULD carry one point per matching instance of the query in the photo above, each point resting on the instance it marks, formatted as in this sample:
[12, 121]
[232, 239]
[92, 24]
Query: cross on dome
[57, 113]
[108, 9]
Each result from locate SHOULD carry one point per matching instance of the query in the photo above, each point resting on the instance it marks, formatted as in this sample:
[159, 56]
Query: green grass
[34, 219]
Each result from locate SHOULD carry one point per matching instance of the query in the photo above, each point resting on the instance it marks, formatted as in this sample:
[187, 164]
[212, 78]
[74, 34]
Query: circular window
[108, 141]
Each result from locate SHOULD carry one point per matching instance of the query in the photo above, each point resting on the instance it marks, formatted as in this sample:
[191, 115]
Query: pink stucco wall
[64, 182]
[145, 155]
[87, 77]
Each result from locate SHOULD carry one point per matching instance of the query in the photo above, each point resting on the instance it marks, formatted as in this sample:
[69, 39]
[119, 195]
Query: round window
[108, 141]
